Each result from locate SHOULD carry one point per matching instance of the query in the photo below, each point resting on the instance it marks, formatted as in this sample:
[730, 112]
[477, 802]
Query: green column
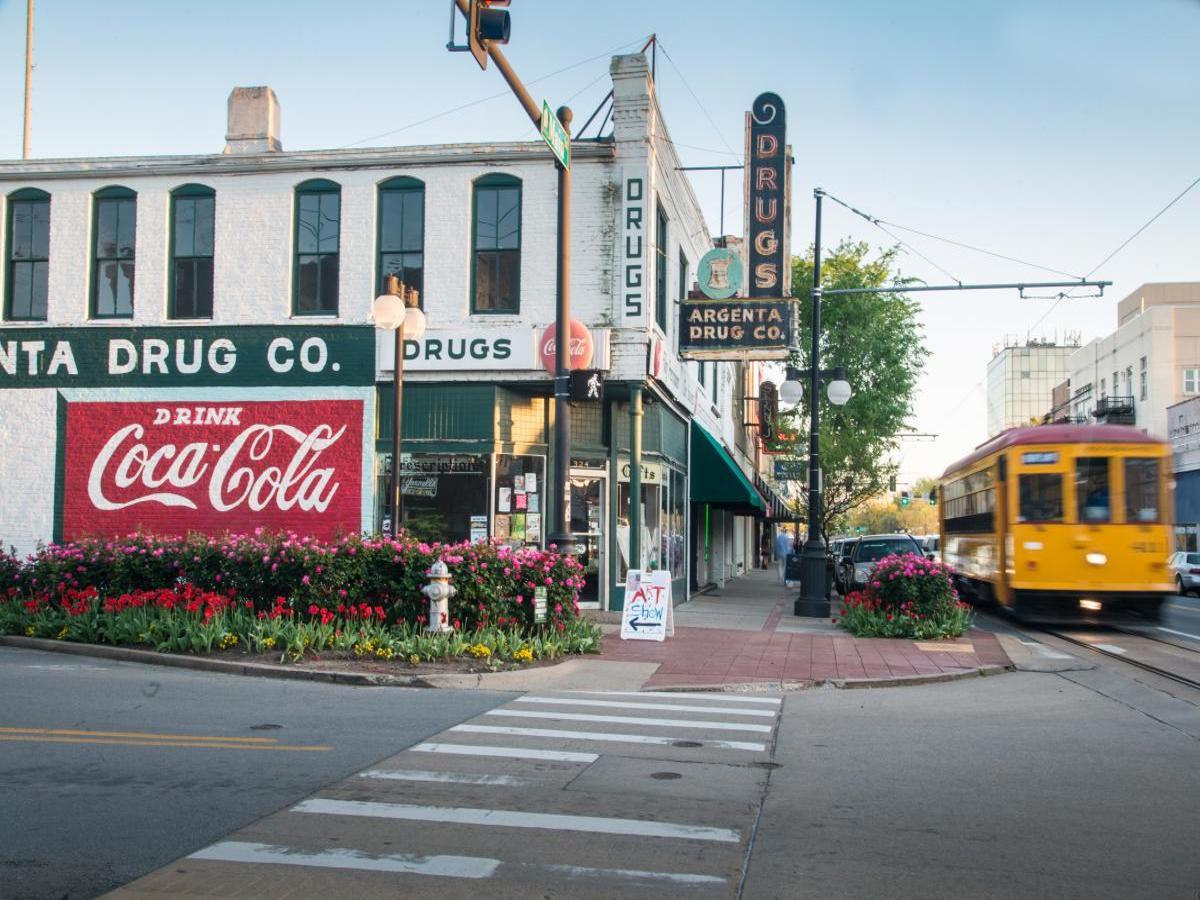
[635, 477]
[614, 490]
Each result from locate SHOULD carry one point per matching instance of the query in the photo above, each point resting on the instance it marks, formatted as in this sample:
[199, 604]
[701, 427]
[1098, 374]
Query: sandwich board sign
[647, 615]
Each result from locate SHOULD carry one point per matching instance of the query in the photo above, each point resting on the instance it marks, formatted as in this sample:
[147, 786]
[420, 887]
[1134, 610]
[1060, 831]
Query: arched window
[27, 256]
[318, 231]
[114, 230]
[496, 245]
[401, 246]
[193, 208]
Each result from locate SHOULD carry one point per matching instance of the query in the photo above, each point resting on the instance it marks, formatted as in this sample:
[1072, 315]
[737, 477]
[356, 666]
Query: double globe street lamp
[397, 311]
[813, 575]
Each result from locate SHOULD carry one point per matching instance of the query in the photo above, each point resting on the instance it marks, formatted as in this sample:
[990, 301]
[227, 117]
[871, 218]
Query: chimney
[253, 121]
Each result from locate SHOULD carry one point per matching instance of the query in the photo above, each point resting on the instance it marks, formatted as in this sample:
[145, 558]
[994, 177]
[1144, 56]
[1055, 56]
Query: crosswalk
[571, 794]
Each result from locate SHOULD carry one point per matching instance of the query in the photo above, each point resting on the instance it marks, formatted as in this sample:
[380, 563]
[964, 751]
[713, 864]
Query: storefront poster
[519, 484]
[516, 528]
[533, 504]
[533, 527]
[479, 529]
[504, 503]
[500, 528]
[531, 482]
[522, 501]
[173, 468]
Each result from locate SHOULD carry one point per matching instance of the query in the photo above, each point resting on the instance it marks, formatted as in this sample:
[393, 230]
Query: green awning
[717, 480]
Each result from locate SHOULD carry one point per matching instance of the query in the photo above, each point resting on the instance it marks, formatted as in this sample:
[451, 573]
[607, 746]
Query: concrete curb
[204, 664]
[839, 683]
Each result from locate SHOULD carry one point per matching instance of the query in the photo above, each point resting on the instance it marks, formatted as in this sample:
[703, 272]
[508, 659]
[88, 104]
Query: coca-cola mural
[212, 467]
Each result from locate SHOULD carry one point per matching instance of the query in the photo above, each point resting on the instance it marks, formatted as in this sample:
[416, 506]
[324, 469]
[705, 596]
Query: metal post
[812, 600]
[397, 505]
[635, 476]
[28, 77]
[561, 533]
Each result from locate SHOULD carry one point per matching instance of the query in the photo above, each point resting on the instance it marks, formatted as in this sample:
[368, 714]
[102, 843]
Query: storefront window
[676, 523]
[520, 494]
[651, 510]
[441, 494]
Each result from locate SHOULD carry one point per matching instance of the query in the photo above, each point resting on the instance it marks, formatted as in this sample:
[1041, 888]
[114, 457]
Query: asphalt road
[1078, 784]
[110, 769]
[1181, 618]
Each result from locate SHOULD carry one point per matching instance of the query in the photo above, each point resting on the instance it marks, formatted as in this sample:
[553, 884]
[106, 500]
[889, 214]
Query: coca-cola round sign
[581, 347]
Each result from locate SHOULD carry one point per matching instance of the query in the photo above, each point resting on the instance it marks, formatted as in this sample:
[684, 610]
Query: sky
[1045, 130]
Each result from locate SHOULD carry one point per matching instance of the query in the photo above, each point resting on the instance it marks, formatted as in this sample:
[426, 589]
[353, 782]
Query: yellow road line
[150, 736]
[53, 739]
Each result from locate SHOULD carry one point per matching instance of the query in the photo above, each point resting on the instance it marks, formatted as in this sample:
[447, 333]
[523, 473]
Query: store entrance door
[588, 498]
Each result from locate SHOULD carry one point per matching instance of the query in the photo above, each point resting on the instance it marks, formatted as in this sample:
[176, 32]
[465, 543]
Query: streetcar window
[1091, 489]
[1141, 490]
[1041, 498]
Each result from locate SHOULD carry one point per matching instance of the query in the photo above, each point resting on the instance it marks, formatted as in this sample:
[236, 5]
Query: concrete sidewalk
[747, 636]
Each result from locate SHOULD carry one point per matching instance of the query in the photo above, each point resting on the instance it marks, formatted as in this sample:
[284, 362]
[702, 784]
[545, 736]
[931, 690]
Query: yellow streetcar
[1062, 523]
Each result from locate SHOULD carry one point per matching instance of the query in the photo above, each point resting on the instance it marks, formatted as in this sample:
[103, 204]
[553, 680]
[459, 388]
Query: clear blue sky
[1044, 130]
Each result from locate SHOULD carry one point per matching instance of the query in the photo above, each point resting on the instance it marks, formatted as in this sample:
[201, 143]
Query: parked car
[1186, 569]
[869, 549]
[847, 545]
[931, 544]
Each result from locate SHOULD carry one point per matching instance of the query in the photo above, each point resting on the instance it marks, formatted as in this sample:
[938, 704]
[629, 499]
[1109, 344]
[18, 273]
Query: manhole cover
[665, 776]
[686, 744]
[265, 727]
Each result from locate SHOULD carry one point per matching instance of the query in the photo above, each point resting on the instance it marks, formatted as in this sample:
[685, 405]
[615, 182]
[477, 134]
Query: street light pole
[812, 601]
[560, 534]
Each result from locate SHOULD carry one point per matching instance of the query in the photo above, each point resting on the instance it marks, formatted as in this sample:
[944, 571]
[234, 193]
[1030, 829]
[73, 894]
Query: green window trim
[489, 184]
[407, 255]
[328, 214]
[660, 267]
[198, 262]
[123, 205]
[37, 264]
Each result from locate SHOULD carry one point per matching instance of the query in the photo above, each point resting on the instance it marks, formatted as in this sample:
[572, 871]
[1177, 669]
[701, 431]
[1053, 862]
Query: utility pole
[559, 531]
[28, 77]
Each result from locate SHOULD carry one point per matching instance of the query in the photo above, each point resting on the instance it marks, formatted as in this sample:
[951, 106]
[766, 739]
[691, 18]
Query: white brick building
[265, 264]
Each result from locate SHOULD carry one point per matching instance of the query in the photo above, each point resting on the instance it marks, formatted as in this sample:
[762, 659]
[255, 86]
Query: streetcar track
[1155, 638]
[1145, 666]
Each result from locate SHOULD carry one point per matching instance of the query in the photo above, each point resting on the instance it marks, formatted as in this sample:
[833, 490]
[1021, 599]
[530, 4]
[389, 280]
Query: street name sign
[790, 469]
[648, 613]
[555, 136]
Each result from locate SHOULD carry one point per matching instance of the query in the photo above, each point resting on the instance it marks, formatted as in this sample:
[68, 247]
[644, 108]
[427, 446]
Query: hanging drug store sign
[735, 329]
[170, 468]
[198, 356]
[768, 198]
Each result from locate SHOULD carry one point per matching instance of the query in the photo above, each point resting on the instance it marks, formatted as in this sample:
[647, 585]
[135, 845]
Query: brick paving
[771, 645]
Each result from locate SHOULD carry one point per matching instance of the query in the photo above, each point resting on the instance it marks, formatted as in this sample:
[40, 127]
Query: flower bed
[906, 596]
[294, 596]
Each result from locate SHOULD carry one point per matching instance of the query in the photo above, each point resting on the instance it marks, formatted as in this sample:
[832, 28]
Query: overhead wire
[878, 223]
[1125, 243]
[703, 109]
[489, 97]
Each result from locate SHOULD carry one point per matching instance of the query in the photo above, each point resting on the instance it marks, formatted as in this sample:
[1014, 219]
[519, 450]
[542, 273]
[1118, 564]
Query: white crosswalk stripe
[451, 808]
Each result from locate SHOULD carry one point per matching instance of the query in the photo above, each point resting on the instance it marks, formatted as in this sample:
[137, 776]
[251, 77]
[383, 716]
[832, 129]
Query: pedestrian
[783, 548]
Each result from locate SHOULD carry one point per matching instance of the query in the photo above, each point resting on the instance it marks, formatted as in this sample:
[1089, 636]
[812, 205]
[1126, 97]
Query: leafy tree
[880, 342]
[883, 515]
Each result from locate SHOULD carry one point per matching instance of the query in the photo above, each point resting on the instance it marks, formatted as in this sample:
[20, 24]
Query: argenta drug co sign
[187, 356]
[735, 329]
[174, 467]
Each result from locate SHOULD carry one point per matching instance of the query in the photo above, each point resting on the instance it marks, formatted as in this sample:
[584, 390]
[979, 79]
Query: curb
[838, 683]
[204, 664]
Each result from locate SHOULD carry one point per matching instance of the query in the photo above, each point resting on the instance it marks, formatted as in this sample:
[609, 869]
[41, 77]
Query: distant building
[1020, 379]
[1183, 422]
[1149, 363]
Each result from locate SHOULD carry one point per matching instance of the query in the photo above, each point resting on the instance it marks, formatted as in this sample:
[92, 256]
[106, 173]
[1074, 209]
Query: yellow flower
[30, 631]
[268, 642]
[479, 651]
[62, 632]
[414, 659]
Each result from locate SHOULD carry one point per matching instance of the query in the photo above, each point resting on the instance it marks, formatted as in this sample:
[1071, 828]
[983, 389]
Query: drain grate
[686, 744]
[266, 726]
[665, 776]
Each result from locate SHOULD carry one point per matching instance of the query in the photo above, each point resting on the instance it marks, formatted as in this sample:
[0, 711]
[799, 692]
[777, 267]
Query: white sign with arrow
[648, 614]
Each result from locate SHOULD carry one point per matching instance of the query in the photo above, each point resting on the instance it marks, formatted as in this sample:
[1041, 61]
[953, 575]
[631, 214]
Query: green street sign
[555, 136]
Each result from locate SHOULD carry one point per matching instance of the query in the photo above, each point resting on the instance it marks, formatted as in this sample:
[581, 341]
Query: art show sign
[648, 614]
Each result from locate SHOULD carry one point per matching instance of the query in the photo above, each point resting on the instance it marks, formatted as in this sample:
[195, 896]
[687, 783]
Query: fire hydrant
[439, 591]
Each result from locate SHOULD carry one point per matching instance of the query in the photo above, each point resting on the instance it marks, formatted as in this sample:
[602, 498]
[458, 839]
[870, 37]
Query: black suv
[857, 560]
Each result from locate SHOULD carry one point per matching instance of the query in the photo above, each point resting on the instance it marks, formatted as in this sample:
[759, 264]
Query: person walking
[783, 548]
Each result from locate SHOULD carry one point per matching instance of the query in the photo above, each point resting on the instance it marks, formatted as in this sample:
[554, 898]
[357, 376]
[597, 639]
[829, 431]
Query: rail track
[1145, 666]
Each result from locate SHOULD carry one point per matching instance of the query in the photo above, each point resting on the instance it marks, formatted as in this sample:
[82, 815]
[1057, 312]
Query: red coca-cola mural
[178, 467]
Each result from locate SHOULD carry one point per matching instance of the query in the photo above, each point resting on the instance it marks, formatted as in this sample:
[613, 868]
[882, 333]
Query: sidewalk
[747, 635]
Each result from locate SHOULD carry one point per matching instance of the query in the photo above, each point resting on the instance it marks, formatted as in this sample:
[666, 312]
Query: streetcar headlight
[1096, 559]
[1093, 605]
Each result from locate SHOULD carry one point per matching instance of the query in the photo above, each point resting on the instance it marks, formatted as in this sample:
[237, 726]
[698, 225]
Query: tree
[880, 342]
[883, 515]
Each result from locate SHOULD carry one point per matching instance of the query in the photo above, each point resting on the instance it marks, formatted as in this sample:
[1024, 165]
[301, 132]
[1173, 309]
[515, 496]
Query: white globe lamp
[388, 311]
[839, 392]
[414, 324]
[790, 393]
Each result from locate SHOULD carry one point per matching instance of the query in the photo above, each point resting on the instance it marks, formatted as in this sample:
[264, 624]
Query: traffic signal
[892, 484]
[485, 22]
[904, 498]
[768, 409]
[933, 497]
